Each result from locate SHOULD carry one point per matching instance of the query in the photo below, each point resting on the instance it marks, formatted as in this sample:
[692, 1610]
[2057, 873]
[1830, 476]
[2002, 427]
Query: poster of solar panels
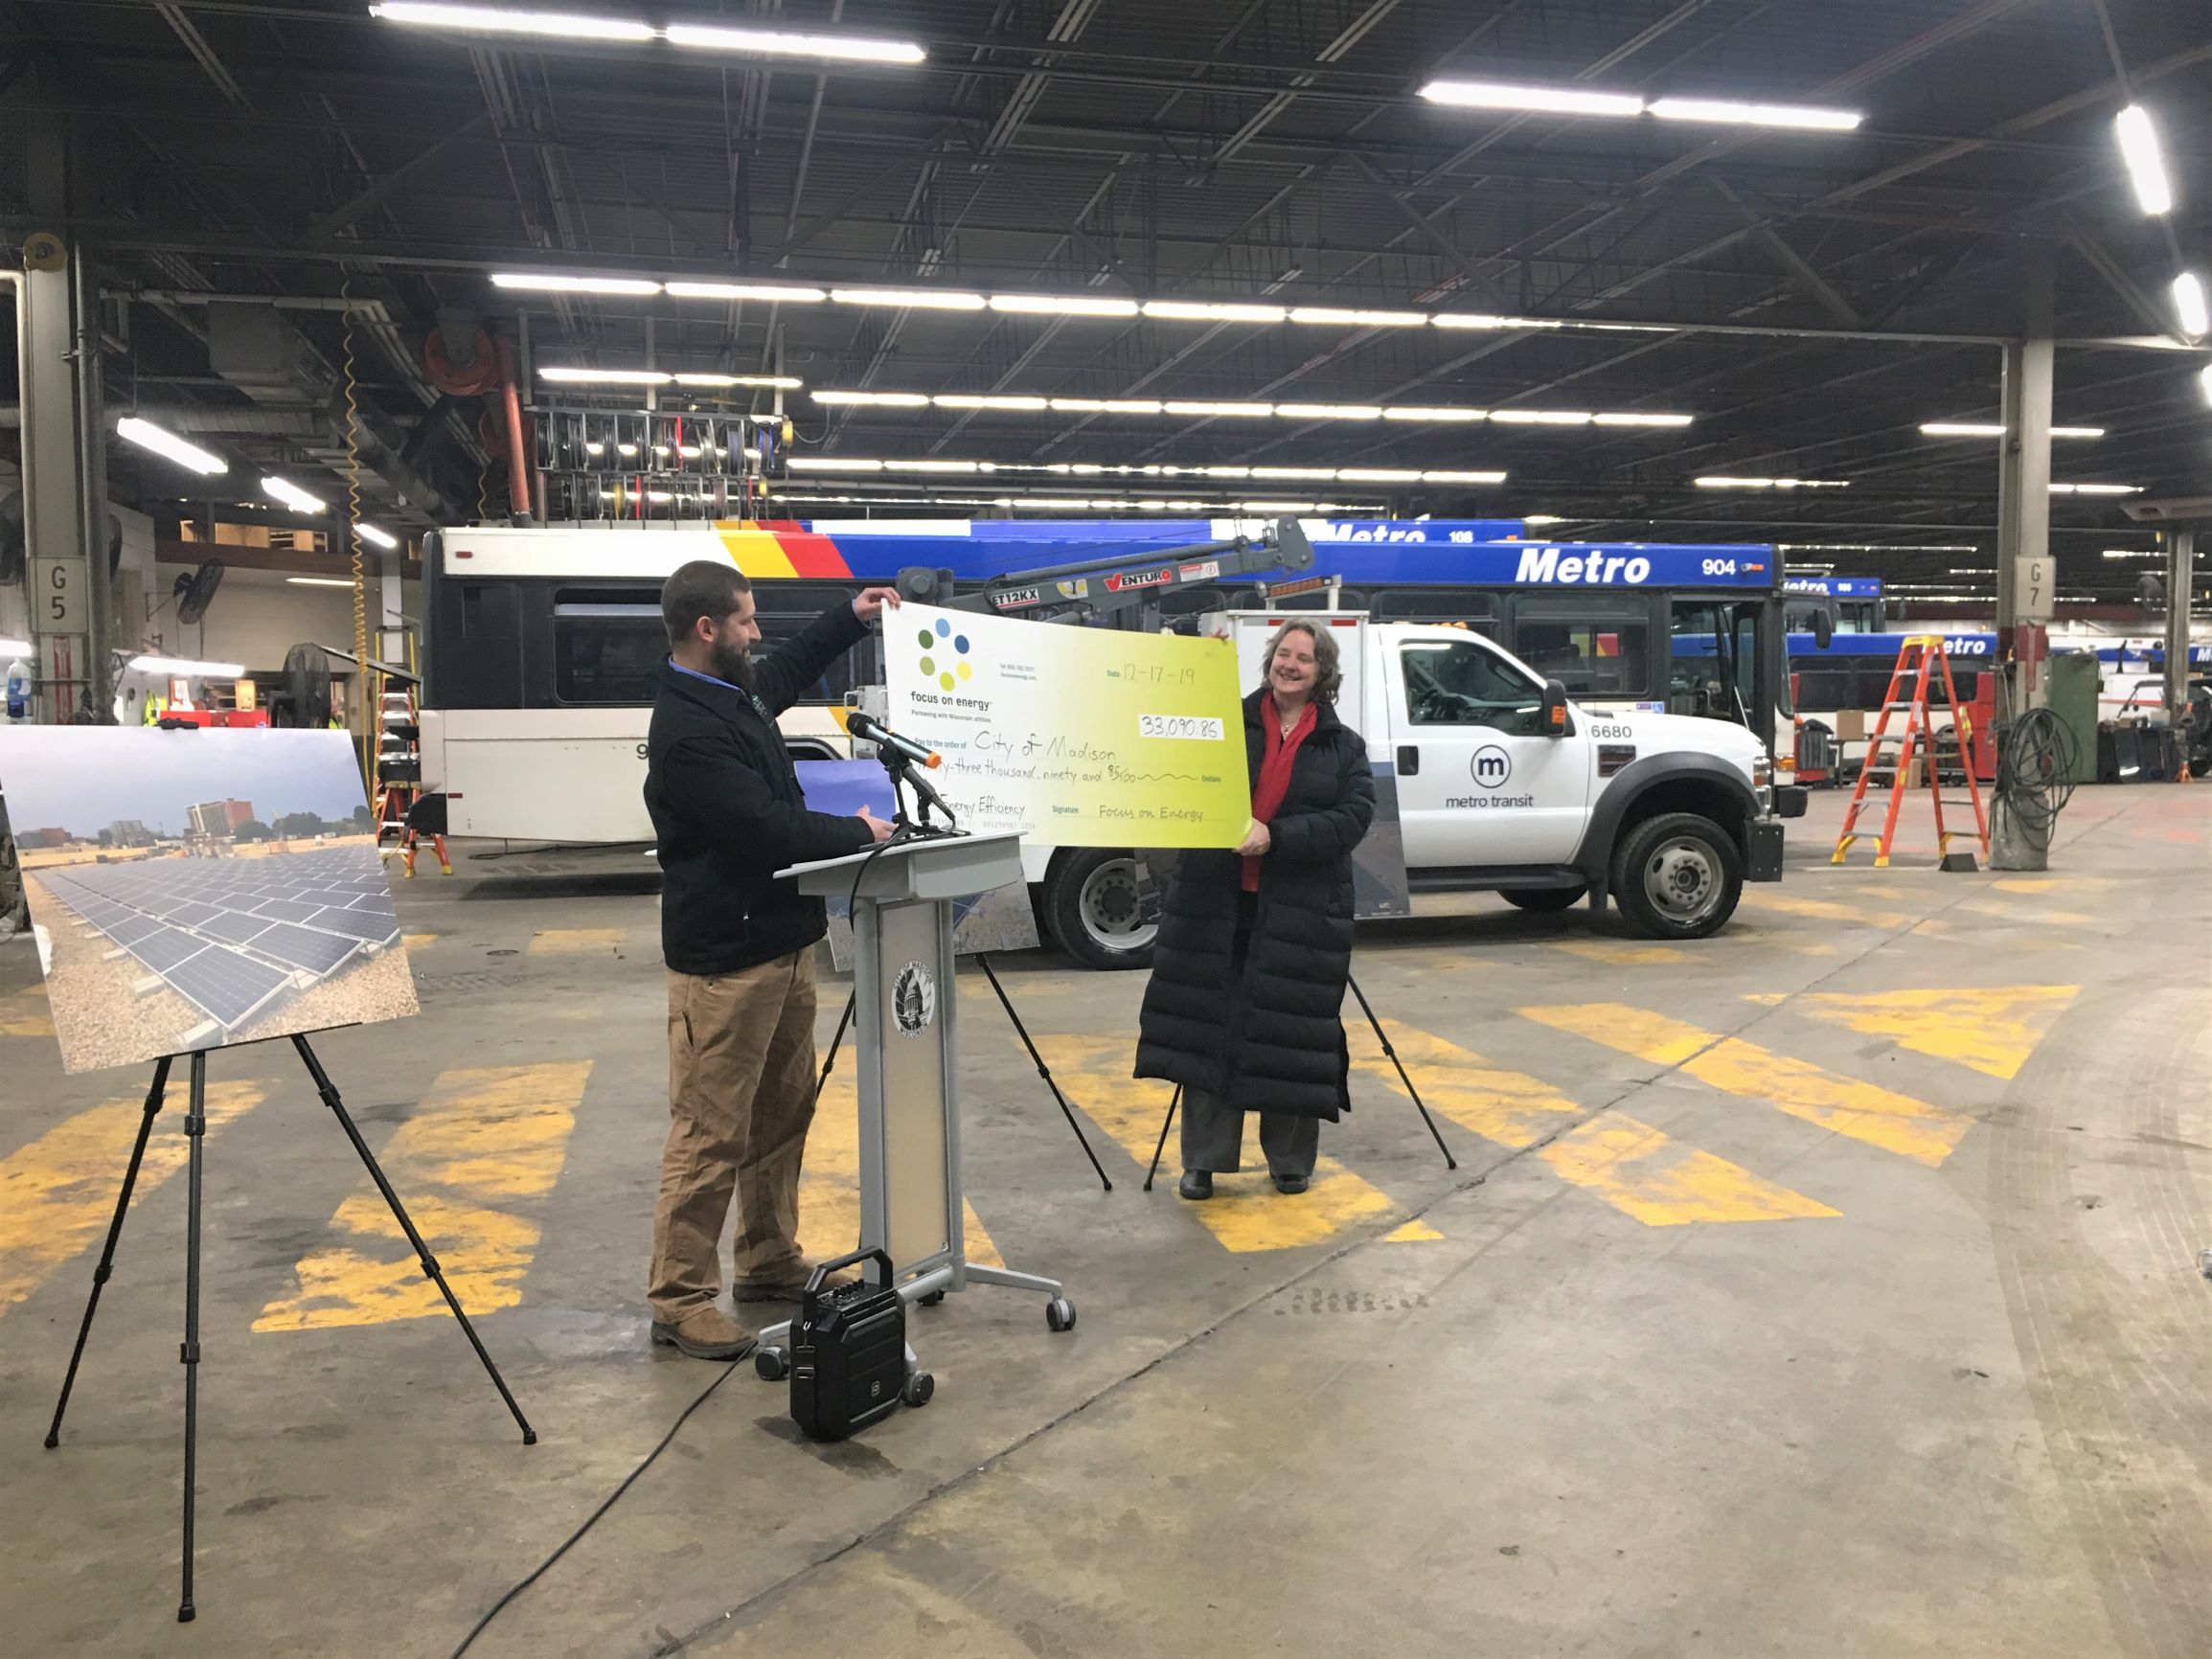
[193, 889]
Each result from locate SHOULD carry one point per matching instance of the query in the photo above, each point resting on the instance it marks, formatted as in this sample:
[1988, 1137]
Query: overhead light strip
[1085, 504]
[169, 445]
[567, 374]
[1994, 429]
[1723, 481]
[2140, 149]
[578, 26]
[860, 464]
[293, 496]
[1541, 99]
[1238, 408]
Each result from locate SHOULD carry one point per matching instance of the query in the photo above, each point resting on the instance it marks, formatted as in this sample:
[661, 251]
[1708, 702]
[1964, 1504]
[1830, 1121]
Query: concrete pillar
[2023, 494]
[2181, 592]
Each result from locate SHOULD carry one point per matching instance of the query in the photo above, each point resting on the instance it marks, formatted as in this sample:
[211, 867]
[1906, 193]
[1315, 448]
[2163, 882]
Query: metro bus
[543, 645]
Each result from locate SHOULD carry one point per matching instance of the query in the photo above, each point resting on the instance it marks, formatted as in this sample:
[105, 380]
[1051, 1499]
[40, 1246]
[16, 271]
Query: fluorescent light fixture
[1210, 311]
[2096, 489]
[16, 648]
[1294, 474]
[1213, 410]
[376, 537]
[1539, 517]
[1228, 472]
[1331, 316]
[558, 285]
[2146, 163]
[293, 496]
[1731, 113]
[1539, 99]
[318, 581]
[1378, 475]
[2204, 380]
[910, 299]
[166, 444]
[2109, 552]
[1329, 411]
[1544, 417]
[1992, 429]
[498, 20]
[2189, 305]
[987, 401]
[790, 382]
[875, 399]
[1464, 477]
[1485, 320]
[1637, 417]
[775, 293]
[1427, 412]
[564, 375]
[186, 665]
[939, 467]
[1721, 480]
[827, 463]
[1107, 405]
[1063, 306]
[777, 43]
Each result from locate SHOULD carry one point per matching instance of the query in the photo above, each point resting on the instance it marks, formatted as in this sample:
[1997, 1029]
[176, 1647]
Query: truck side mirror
[1823, 629]
[1551, 711]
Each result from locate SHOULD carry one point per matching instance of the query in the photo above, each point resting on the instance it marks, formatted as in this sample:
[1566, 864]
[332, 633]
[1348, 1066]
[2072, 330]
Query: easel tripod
[1381, 1037]
[195, 1133]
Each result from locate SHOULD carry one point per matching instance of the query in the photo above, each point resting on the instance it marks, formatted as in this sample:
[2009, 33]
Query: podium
[904, 1029]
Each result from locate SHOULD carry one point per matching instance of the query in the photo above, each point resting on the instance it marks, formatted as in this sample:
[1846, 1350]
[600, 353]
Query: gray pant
[1214, 1137]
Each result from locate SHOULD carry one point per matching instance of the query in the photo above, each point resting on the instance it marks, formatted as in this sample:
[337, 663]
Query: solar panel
[286, 909]
[165, 947]
[195, 915]
[235, 929]
[319, 953]
[356, 924]
[229, 986]
[130, 930]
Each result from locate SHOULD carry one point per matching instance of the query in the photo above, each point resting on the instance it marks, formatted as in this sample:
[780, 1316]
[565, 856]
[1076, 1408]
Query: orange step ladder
[400, 779]
[1919, 660]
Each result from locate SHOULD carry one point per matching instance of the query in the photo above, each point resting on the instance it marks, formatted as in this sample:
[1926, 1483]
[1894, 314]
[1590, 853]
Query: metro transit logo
[1492, 766]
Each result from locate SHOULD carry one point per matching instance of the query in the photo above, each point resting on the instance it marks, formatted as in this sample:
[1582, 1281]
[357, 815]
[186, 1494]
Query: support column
[2023, 500]
[2181, 595]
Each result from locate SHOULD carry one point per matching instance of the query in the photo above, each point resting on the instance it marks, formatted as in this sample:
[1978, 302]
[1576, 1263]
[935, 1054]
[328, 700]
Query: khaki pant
[740, 1095]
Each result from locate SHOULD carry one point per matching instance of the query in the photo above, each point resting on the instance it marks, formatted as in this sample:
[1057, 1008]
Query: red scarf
[1275, 759]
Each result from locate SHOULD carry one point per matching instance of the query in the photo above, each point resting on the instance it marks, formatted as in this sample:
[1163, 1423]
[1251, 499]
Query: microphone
[870, 730]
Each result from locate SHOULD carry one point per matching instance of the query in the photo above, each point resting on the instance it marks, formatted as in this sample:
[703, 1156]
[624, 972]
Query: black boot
[1195, 1184]
[1291, 1184]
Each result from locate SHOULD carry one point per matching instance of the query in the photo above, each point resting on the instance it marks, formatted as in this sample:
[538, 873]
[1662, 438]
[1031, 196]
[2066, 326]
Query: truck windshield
[1455, 683]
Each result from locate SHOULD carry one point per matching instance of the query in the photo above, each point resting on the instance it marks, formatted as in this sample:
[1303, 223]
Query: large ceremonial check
[1076, 736]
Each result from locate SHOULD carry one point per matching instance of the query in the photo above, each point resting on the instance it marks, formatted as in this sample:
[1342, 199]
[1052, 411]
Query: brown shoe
[788, 1284]
[705, 1333]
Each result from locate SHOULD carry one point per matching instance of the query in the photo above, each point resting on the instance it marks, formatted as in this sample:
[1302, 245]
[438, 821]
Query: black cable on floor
[2037, 753]
[591, 1520]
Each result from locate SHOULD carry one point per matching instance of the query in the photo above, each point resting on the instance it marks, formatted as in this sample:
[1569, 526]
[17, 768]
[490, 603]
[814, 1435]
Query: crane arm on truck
[1112, 587]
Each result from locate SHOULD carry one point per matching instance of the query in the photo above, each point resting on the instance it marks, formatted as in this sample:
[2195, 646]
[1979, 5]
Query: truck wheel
[1090, 909]
[1544, 901]
[1677, 876]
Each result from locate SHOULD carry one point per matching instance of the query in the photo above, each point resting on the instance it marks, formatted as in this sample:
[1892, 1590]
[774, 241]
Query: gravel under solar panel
[304, 947]
[227, 985]
[166, 947]
[356, 924]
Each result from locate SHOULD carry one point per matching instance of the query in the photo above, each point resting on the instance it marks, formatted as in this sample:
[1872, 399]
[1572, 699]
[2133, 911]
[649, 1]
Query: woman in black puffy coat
[1255, 944]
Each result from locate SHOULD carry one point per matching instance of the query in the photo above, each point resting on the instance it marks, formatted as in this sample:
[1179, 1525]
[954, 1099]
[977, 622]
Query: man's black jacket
[727, 810]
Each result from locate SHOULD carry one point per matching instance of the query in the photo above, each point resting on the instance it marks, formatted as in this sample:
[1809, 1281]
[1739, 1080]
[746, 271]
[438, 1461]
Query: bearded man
[727, 813]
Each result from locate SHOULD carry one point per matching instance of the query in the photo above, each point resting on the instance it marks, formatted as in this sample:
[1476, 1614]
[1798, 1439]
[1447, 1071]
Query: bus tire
[1543, 900]
[1677, 876]
[1090, 909]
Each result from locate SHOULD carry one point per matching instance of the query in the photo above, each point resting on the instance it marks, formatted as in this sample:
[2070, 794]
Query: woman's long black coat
[1270, 1039]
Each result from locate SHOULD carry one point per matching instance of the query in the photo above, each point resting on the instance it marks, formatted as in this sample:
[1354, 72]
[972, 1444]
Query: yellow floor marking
[25, 1014]
[1992, 1029]
[58, 1193]
[2044, 883]
[563, 939]
[1619, 953]
[830, 1181]
[1640, 1171]
[1770, 998]
[1865, 1113]
[1824, 910]
[1246, 1213]
[1646, 1173]
[1412, 1233]
[2027, 915]
[417, 940]
[485, 1137]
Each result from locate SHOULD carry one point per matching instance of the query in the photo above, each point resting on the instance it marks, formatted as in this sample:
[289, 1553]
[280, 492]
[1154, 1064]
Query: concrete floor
[1826, 1288]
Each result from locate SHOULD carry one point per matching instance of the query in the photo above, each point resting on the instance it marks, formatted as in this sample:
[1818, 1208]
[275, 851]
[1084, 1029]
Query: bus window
[1450, 684]
[1457, 606]
[1595, 654]
[607, 647]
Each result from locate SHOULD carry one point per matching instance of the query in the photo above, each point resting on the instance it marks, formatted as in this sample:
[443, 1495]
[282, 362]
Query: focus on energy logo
[945, 655]
[1492, 766]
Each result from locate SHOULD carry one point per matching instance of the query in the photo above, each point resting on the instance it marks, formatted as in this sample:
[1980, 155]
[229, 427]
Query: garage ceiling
[1828, 292]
